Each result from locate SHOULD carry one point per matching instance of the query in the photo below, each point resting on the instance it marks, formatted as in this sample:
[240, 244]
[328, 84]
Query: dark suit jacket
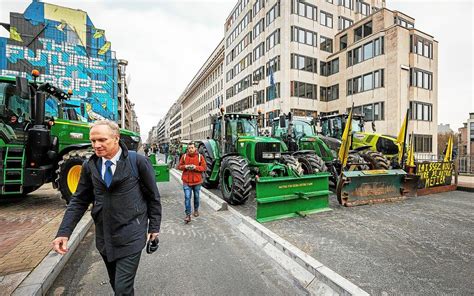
[123, 213]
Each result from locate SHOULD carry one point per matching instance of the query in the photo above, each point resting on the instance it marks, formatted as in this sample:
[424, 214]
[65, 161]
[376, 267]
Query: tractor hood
[332, 143]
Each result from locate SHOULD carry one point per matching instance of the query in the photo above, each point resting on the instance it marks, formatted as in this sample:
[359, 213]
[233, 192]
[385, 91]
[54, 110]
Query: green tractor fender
[210, 150]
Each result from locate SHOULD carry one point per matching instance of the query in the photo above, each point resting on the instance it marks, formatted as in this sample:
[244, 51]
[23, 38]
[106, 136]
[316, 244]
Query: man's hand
[60, 245]
[152, 236]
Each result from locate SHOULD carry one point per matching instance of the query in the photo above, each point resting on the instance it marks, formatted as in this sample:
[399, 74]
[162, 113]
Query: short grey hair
[111, 124]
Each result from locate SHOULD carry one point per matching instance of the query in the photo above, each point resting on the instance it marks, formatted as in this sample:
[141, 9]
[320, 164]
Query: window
[243, 84]
[258, 51]
[303, 90]
[421, 46]
[404, 23]
[325, 44]
[362, 31]
[330, 93]
[273, 39]
[343, 42]
[258, 28]
[326, 19]
[303, 36]
[344, 23]
[329, 68]
[421, 111]
[423, 143]
[271, 115]
[239, 28]
[260, 97]
[242, 65]
[363, 8]
[259, 74]
[371, 112]
[229, 93]
[273, 13]
[365, 52]
[273, 92]
[274, 65]
[346, 3]
[420, 78]
[365, 82]
[301, 8]
[257, 6]
[304, 63]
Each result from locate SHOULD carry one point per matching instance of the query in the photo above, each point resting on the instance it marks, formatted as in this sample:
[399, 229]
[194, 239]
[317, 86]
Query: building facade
[320, 57]
[70, 52]
[203, 96]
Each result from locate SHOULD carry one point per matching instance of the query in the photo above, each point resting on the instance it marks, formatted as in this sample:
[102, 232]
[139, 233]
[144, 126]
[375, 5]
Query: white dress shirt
[114, 162]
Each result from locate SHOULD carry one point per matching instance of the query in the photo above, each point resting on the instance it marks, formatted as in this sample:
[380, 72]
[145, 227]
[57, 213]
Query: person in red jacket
[193, 165]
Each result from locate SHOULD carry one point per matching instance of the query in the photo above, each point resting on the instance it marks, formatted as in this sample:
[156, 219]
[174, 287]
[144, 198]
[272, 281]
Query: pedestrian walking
[126, 207]
[193, 165]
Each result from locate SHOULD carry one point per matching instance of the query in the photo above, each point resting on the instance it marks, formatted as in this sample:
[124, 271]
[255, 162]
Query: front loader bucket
[374, 186]
[284, 197]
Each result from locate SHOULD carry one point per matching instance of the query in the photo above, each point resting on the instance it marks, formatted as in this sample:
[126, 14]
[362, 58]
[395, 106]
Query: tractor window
[216, 133]
[18, 106]
[51, 107]
[302, 128]
[356, 125]
[277, 131]
[246, 127]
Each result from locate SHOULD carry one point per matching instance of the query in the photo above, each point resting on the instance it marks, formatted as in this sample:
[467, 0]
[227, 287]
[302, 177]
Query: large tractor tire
[311, 163]
[69, 172]
[292, 162]
[376, 160]
[207, 183]
[235, 180]
[355, 162]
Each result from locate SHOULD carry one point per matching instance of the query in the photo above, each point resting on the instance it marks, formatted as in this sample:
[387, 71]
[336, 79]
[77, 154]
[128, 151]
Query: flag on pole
[105, 48]
[15, 35]
[448, 156]
[272, 89]
[346, 142]
[411, 153]
[98, 33]
[402, 138]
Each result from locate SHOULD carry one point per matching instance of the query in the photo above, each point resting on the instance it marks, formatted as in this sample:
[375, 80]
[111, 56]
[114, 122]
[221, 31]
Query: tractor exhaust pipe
[40, 98]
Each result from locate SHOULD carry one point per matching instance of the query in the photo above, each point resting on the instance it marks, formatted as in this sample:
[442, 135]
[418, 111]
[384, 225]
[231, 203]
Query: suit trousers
[122, 273]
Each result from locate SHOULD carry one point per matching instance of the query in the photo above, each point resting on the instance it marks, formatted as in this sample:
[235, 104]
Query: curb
[465, 188]
[42, 277]
[317, 278]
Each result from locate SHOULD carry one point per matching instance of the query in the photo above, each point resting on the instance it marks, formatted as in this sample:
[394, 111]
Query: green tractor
[359, 175]
[41, 147]
[379, 151]
[236, 157]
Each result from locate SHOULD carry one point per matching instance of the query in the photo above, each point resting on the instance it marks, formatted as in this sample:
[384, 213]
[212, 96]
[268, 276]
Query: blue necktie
[108, 173]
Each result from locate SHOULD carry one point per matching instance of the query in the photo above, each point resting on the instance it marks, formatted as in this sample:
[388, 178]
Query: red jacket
[193, 177]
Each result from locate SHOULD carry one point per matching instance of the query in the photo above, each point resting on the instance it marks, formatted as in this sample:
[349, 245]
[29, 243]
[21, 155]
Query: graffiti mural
[69, 52]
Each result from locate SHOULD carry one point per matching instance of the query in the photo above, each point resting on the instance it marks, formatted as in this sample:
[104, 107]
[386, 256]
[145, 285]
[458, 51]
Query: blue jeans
[187, 197]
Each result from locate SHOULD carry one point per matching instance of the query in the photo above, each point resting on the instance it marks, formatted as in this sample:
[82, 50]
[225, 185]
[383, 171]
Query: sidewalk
[28, 225]
[466, 183]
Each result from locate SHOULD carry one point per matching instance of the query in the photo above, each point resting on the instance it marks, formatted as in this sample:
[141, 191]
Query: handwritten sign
[433, 174]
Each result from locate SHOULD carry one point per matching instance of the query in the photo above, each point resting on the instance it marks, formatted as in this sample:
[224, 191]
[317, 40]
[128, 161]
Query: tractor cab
[333, 125]
[236, 126]
[15, 112]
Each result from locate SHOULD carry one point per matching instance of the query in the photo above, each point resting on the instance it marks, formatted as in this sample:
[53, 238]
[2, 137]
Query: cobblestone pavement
[206, 257]
[422, 245]
[27, 227]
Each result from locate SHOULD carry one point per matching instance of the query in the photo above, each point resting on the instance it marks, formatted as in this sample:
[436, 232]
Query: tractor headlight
[268, 155]
[278, 155]
[135, 138]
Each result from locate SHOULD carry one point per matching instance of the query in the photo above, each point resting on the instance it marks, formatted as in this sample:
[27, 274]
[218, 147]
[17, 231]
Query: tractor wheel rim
[73, 177]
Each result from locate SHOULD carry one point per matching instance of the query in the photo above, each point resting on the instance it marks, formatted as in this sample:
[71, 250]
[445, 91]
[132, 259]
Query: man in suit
[126, 208]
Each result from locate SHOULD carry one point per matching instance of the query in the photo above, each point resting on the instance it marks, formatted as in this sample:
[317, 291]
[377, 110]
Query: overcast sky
[167, 41]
